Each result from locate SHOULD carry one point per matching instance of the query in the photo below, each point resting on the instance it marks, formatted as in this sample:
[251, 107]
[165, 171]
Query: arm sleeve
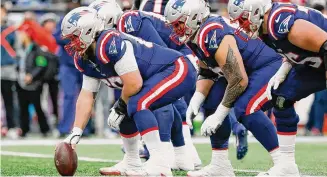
[91, 84]
[127, 62]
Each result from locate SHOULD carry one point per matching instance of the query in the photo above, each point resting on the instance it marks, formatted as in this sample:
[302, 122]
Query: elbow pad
[207, 74]
[323, 53]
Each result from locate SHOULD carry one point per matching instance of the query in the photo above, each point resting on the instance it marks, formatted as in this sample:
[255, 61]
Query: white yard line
[87, 159]
[35, 155]
[97, 141]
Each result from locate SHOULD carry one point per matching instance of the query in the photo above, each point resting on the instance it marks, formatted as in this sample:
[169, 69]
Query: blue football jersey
[150, 27]
[255, 53]
[111, 46]
[280, 21]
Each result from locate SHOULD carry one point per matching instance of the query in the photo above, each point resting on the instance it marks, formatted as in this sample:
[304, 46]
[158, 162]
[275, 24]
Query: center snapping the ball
[65, 159]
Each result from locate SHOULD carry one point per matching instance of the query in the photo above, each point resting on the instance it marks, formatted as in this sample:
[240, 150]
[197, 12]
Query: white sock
[168, 150]
[131, 146]
[152, 142]
[190, 146]
[276, 156]
[287, 146]
[218, 156]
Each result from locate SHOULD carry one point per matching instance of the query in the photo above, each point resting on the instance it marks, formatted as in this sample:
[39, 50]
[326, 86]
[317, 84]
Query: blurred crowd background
[40, 85]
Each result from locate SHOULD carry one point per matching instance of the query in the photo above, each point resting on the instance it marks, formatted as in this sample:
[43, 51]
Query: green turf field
[311, 159]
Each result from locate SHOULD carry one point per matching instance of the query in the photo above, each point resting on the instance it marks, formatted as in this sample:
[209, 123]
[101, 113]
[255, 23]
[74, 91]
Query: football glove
[117, 113]
[193, 107]
[74, 137]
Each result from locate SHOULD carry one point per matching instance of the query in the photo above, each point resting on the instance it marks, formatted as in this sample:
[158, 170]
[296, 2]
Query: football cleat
[241, 140]
[126, 167]
[282, 169]
[223, 169]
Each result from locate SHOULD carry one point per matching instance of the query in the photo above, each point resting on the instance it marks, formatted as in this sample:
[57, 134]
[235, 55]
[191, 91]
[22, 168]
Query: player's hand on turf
[74, 137]
[117, 113]
[194, 107]
[211, 124]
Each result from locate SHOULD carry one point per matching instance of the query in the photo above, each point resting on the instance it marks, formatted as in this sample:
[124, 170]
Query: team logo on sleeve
[76, 16]
[178, 5]
[283, 27]
[112, 47]
[129, 25]
[213, 41]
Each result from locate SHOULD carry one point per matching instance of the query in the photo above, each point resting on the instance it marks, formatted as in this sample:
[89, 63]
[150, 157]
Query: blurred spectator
[316, 117]
[36, 66]
[70, 81]
[8, 72]
[29, 86]
[48, 22]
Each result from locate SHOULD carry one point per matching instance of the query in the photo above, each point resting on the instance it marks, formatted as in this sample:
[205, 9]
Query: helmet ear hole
[88, 31]
[110, 21]
[256, 12]
[194, 17]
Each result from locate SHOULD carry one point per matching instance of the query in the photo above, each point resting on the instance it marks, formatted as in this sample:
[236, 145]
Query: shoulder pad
[280, 21]
[209, 37]
[129, 22]
[110, 47]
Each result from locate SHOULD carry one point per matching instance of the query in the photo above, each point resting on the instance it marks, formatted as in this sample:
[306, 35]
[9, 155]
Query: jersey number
[314, 62]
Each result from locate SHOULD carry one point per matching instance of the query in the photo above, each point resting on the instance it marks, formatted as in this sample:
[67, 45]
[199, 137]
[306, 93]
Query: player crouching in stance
[152, 28]
[247, 66]
[300, 35]
[149, 75]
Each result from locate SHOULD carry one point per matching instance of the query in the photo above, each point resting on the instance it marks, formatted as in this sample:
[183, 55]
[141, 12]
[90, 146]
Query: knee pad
[128, 127]
[281, 103]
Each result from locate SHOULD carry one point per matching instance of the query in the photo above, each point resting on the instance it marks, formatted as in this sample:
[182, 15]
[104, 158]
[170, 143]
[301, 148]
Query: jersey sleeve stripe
[157, 6]
[121, 21]
[77, 65]
[102, 49]
[204, 32]
[273, 18]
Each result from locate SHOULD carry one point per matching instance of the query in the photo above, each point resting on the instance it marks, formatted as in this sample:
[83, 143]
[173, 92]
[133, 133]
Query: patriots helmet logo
[239, 3]
[112, 47]
[76, 16]
[178, 5]
[283, 27]
[98, 6]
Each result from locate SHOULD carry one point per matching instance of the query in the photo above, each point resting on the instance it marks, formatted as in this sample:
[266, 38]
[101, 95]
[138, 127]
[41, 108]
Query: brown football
[65, 159]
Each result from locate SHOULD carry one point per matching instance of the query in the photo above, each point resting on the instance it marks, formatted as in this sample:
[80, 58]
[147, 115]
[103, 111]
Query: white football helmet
[80, 26]
[108, 10]
[249, 14]
[186, 16]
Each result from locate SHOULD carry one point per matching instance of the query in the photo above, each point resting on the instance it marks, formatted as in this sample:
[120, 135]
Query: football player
[141, 24]
[149, 75]
[247, 66]
[300, 35]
